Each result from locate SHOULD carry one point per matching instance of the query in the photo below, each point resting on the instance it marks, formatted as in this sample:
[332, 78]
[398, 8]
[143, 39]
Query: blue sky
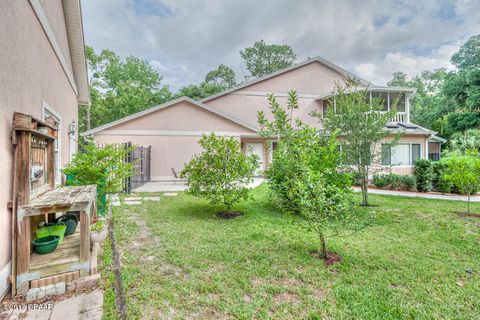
[184, 40]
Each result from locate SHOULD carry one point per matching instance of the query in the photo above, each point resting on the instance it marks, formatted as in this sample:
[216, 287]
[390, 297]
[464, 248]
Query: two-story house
[174, 128]
[43, 74]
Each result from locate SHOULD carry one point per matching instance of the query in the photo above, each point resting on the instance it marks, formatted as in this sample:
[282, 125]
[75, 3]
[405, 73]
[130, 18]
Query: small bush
[408, 182]
[394, 181]
[380, 180]
[424, 175]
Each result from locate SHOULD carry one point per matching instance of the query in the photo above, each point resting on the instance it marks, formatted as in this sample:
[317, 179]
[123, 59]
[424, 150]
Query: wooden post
[22, 181]
[84, 240]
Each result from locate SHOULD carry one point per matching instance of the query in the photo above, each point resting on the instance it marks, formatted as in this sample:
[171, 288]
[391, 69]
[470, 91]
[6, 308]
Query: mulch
[332, 257]
[466, 214]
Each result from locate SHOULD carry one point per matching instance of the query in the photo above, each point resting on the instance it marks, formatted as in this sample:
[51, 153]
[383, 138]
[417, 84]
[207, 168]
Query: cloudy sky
[184, 39]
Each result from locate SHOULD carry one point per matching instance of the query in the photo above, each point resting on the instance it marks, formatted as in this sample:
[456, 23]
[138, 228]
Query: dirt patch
[286, 298]
[319, 294]
[466, 214]
[332, 257]
[258, 281]
[229, 214]
[290, 283]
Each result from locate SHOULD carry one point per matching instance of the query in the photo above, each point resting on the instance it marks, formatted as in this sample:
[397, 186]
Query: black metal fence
[140, 157]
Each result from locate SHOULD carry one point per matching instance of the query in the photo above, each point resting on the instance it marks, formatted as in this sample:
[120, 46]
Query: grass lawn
[418, 260]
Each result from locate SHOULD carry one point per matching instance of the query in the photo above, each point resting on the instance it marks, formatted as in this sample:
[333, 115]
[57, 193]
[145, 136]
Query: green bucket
[46, 244]
[53, 230]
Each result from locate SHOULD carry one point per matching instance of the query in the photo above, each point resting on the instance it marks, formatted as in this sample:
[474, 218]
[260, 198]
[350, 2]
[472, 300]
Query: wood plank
[84, 240]
[22, 175]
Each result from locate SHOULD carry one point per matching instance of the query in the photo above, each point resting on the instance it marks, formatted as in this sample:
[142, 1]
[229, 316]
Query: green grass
[418, 260]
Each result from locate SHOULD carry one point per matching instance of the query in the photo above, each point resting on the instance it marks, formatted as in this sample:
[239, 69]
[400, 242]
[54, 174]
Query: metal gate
[141, 158]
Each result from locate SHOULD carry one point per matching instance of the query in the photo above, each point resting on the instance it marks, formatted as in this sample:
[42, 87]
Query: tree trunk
[323, 246]
[364, 191]
[468, 203]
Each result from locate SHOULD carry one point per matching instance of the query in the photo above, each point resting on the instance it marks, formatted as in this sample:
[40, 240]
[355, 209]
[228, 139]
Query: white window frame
[49, 111]
[410, 163]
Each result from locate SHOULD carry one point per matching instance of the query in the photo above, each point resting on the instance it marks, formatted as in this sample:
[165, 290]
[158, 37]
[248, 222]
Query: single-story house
[174, 128]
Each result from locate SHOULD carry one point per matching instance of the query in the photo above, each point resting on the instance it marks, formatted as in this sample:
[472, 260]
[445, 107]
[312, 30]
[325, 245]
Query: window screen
[386, 155]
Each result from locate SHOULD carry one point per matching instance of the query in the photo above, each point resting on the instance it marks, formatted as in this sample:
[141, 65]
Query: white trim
[170, 133]
[276, 94]
[4, 274]
[42, 18]
[58, 160]
[166, 105]
[323, 61]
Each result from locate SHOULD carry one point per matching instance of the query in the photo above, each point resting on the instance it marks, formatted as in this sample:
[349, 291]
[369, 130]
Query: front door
[256, 148]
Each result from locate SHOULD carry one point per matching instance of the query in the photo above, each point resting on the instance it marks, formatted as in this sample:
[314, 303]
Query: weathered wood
[84, 240]
[22, 183]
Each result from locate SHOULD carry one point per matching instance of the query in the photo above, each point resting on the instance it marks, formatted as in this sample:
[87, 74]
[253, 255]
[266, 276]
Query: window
[386, 155]
[327, 104]
[383, 96]
[416, 152]
[403, 154]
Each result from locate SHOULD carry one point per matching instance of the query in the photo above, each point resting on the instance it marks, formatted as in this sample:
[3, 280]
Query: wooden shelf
[60, 260]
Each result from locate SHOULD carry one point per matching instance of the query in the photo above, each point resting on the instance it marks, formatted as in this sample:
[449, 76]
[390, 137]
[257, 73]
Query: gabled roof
[321, 60]
[169, 104]
[73, 20]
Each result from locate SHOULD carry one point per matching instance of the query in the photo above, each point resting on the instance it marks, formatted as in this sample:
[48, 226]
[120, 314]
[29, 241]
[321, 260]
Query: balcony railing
[400, 117]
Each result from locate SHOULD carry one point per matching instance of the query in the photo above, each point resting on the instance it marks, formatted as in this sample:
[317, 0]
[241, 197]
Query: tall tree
[223, 76]
[262, 59]
[216, 81]
[120, 87]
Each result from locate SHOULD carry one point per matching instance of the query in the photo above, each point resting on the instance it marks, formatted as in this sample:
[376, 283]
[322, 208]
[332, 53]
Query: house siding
[31, 76]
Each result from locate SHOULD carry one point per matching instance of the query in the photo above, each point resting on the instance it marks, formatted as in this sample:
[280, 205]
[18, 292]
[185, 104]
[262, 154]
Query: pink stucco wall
[183, 116]
[173, 134]
[30, 75]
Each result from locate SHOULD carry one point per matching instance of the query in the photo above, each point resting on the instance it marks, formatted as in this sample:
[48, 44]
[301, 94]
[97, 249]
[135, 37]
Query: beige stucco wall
[309, 81]
[173, 134]
[182, 116]
[30, 75]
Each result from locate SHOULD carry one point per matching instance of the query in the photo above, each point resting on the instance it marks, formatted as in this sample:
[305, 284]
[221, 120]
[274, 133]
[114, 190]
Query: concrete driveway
[174, 186]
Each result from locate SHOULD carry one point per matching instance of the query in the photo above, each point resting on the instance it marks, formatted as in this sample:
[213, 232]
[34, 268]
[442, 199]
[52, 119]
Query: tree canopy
[119, 88]
[262, 59]
[448, 102]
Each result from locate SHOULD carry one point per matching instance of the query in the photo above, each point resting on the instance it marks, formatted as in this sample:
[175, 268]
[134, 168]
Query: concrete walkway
[84, 306]
[171, 186]
[429, 195]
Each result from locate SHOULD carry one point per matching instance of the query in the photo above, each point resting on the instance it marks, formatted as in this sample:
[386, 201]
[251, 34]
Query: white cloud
[373, 38]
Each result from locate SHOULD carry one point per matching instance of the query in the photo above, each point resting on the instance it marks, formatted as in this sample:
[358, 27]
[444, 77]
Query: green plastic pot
[46, 244]
[70, 221]
[52, 230]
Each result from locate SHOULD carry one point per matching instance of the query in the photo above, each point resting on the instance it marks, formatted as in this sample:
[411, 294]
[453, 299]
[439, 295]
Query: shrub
[424, 175]
[464, 173]
[408, 182]
[439, 182]
[221, 172]
[105, 167]
[394, 181]
[380, 180]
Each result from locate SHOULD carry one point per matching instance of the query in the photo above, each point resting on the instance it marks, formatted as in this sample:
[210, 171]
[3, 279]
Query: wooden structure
[35, 198]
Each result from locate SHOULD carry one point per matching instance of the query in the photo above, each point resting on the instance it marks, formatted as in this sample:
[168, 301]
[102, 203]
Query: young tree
[304, 173]
[262, 59]
[464, 173]
[106, 167]
[361, 124]
[221, 172]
